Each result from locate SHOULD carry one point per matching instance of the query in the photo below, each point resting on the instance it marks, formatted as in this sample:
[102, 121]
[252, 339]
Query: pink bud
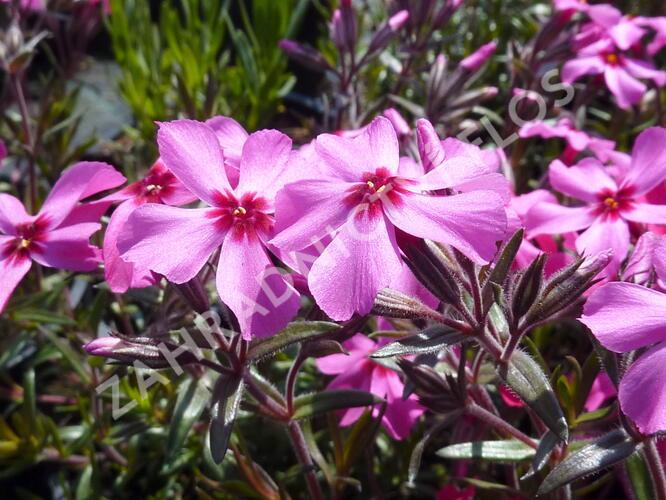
[103, 346]
[430, 146]
[384, 34]
[398, 20]
[399, 124]
[475, 60]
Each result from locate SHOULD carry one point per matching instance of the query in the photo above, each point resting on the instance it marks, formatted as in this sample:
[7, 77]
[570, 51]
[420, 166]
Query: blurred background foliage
[97, 95]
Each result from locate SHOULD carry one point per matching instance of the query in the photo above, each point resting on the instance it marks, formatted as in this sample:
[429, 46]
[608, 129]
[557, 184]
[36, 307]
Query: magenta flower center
[612, 59]
[155, 186]
[243, 217]
[28, 237]
[611, 204]
[378, 186]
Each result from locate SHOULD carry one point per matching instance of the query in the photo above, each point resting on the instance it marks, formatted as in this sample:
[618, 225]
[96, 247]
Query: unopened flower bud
[394, 304]
[426, 380]
[431, 151]
[400, 126]
[527, 287]
[142, 349]
[305, 55]
[384, 34]
[431, 268]
[565, 288]
[475, 60]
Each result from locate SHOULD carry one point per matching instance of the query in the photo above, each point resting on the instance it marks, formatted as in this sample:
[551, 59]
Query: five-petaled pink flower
[358, 371]
[610, 203]
[621, 72]
[177, 242]
[58, 235]
[361, 196]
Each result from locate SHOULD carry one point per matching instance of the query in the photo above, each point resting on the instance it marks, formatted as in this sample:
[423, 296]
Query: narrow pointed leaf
[548, 442]
[297, 331]
[526, 378]
[494, 451]
[501, 268]
[192, 399]
[431, 339]
[604, 452]
[227, 395]
[309, 405]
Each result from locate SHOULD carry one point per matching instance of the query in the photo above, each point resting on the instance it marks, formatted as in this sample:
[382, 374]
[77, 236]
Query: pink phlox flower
[177, 242]
[609, 204]
[577, 140]
[364, 200]
[159, 185]
[621, 72]
[58, 235]
[358, 371]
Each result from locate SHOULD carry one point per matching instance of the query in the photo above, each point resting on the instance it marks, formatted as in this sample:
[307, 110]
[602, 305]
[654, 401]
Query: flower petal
[553, 218]
[192, 152]
[604, 235]
[646, 213]
[582, 181]
[625, 316]
[76, 183]
[648, 161]
[326, 211]
[642, 391]
[253, 288]
[575, 68]
[626, 89]
[359, 346]
[362, 259]
[471, 222]
[189, 234]
[264, 160]
[121, 275]
[12, 213]
[348, 159]
[68, 248]
[12, 270]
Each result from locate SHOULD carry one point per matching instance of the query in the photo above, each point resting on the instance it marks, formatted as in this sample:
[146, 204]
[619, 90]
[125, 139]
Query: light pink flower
[177, 242]
[58, 235]
[610, 204]
[363, 198]
[358, 371]
[621, 73]
[158, 186]
[232, 136]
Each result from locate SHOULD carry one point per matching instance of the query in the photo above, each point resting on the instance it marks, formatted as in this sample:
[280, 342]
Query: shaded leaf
[192, 399]
[604, 452]
[227, 395]
[297, 331]
[308, 405]
[431, 339]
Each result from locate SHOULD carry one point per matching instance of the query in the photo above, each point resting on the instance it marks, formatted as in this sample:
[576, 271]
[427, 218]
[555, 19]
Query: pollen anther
[239, 211]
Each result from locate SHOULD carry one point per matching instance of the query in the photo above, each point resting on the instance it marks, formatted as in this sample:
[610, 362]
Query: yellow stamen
[25, 243]
[371, 184]
[611, 58]
[383, 188]
[153, 187]
[240, 211]
[611, 203]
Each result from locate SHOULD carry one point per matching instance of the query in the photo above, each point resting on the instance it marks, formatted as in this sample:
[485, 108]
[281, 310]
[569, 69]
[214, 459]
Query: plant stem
[291, 381]
[499, 424]
[29, 142]
[304, 458]
[656, 468]
[510, 347]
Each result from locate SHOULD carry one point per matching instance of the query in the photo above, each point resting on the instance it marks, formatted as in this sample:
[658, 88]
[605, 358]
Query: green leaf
[84, 490]
[227, 395]
[525, 377]
[431, 339]
[604, 452]
[73, 358]
[494, 451]
[192, 399]
[29, 397]
[309, 405]
[297, 331]
[639, 477]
